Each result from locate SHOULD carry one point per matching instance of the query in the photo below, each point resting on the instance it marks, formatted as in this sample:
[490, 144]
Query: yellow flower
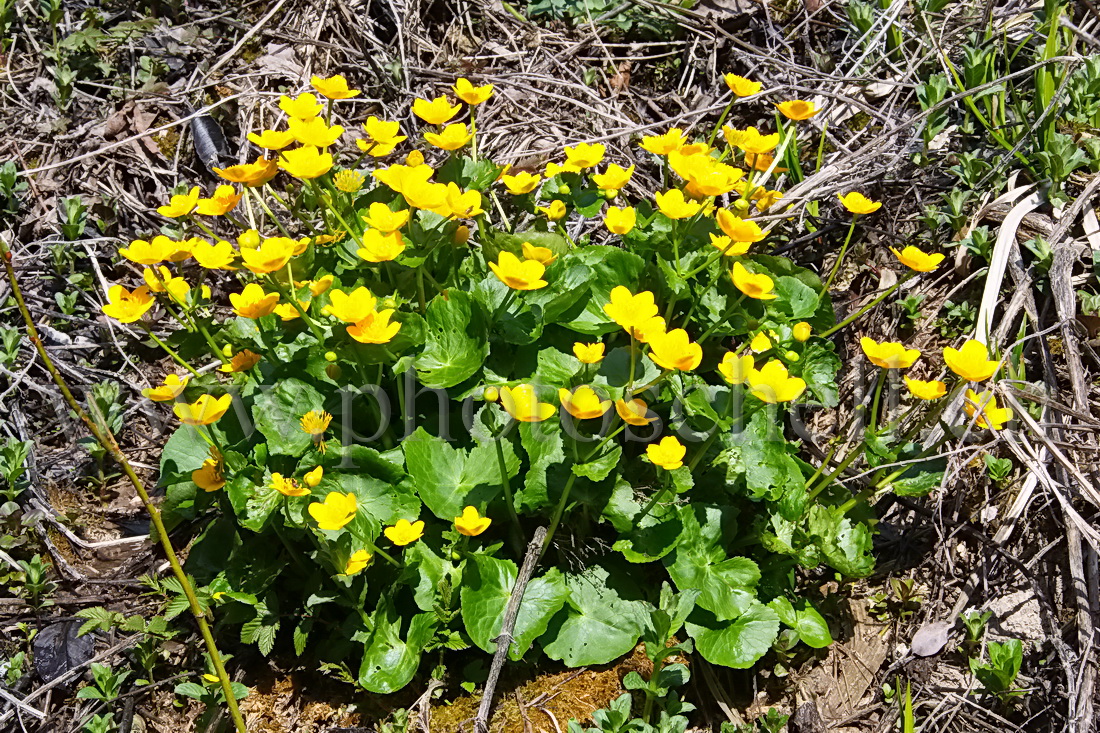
[555, 210]
[315, 423]
[757, 143]
[242, 361]
[349, 181]
[271, 139]
[312, 478]
[379, 247]
[316, 287]
[584, 155]
[203, 411]
[671, 141]
[521, 183]
[180, 291]
[425, 194]
[738, 229]
[767, 199]
[668, 454]
[314, 132]
[253, 174]
[760, 343]
[857, 203]
[358, 560]
[888, 354]
[156, 281]
[249, 239]
[773, 384]
[303, 107]
[462, 204]
[384, 219]
[522, 403]
[306, 162]
[414, 159]
[932, 390]
[614, 178]
[383, 136]
[553, 169]
[517, 274]
[984, 405]
[971, 362]
[219, 256]
[650, 329]
[735, 369]
[588, 353]
[916, 259]
[583, 403]
[336, 512]
[543, 255]
[620, 220]
[404, 532]
[634, 412]
[168, 390]
[461, 235]
[125, 306]
[705, 176]
[741, 86]
[211, 476]
[471, 523]
[675, 350]
[181, 204]
[470, 94]
[149, 253]
[334, 87]
[435, 112]
[797, 109]
[351, 307]
[375, 328]
[224, 200]
[272, 254]
[287, 486]
[629, 310]
[728, 246]
[287, 311]
[253, 302]
[453, 137]
[758, 286]
[673, 205]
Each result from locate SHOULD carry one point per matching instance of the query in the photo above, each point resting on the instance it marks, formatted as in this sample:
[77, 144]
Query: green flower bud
[491, 394]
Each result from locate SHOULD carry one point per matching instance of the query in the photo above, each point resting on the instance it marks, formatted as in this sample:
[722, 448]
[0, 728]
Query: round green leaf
[738, 643]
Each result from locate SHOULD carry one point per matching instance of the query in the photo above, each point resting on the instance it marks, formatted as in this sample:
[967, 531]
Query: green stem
[873, 420]
[332, 209]
[725, 317]
[168, 350]
[840, 257]
[195, 220]
[559, 510]
[633, 361]
[507, 485]
[107, 439]
[289, 295]
[864, 309]
[660, 378]
[828, 480]
[268, 211]
[721, 120]
[473, 133]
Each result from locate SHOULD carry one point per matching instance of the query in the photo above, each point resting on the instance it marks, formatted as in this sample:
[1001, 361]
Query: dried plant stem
[107, 440]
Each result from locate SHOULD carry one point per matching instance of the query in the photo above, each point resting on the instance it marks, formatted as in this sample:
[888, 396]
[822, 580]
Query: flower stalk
[107, 440]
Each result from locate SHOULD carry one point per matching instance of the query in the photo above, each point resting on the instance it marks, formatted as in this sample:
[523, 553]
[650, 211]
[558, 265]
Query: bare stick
[504, 641]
